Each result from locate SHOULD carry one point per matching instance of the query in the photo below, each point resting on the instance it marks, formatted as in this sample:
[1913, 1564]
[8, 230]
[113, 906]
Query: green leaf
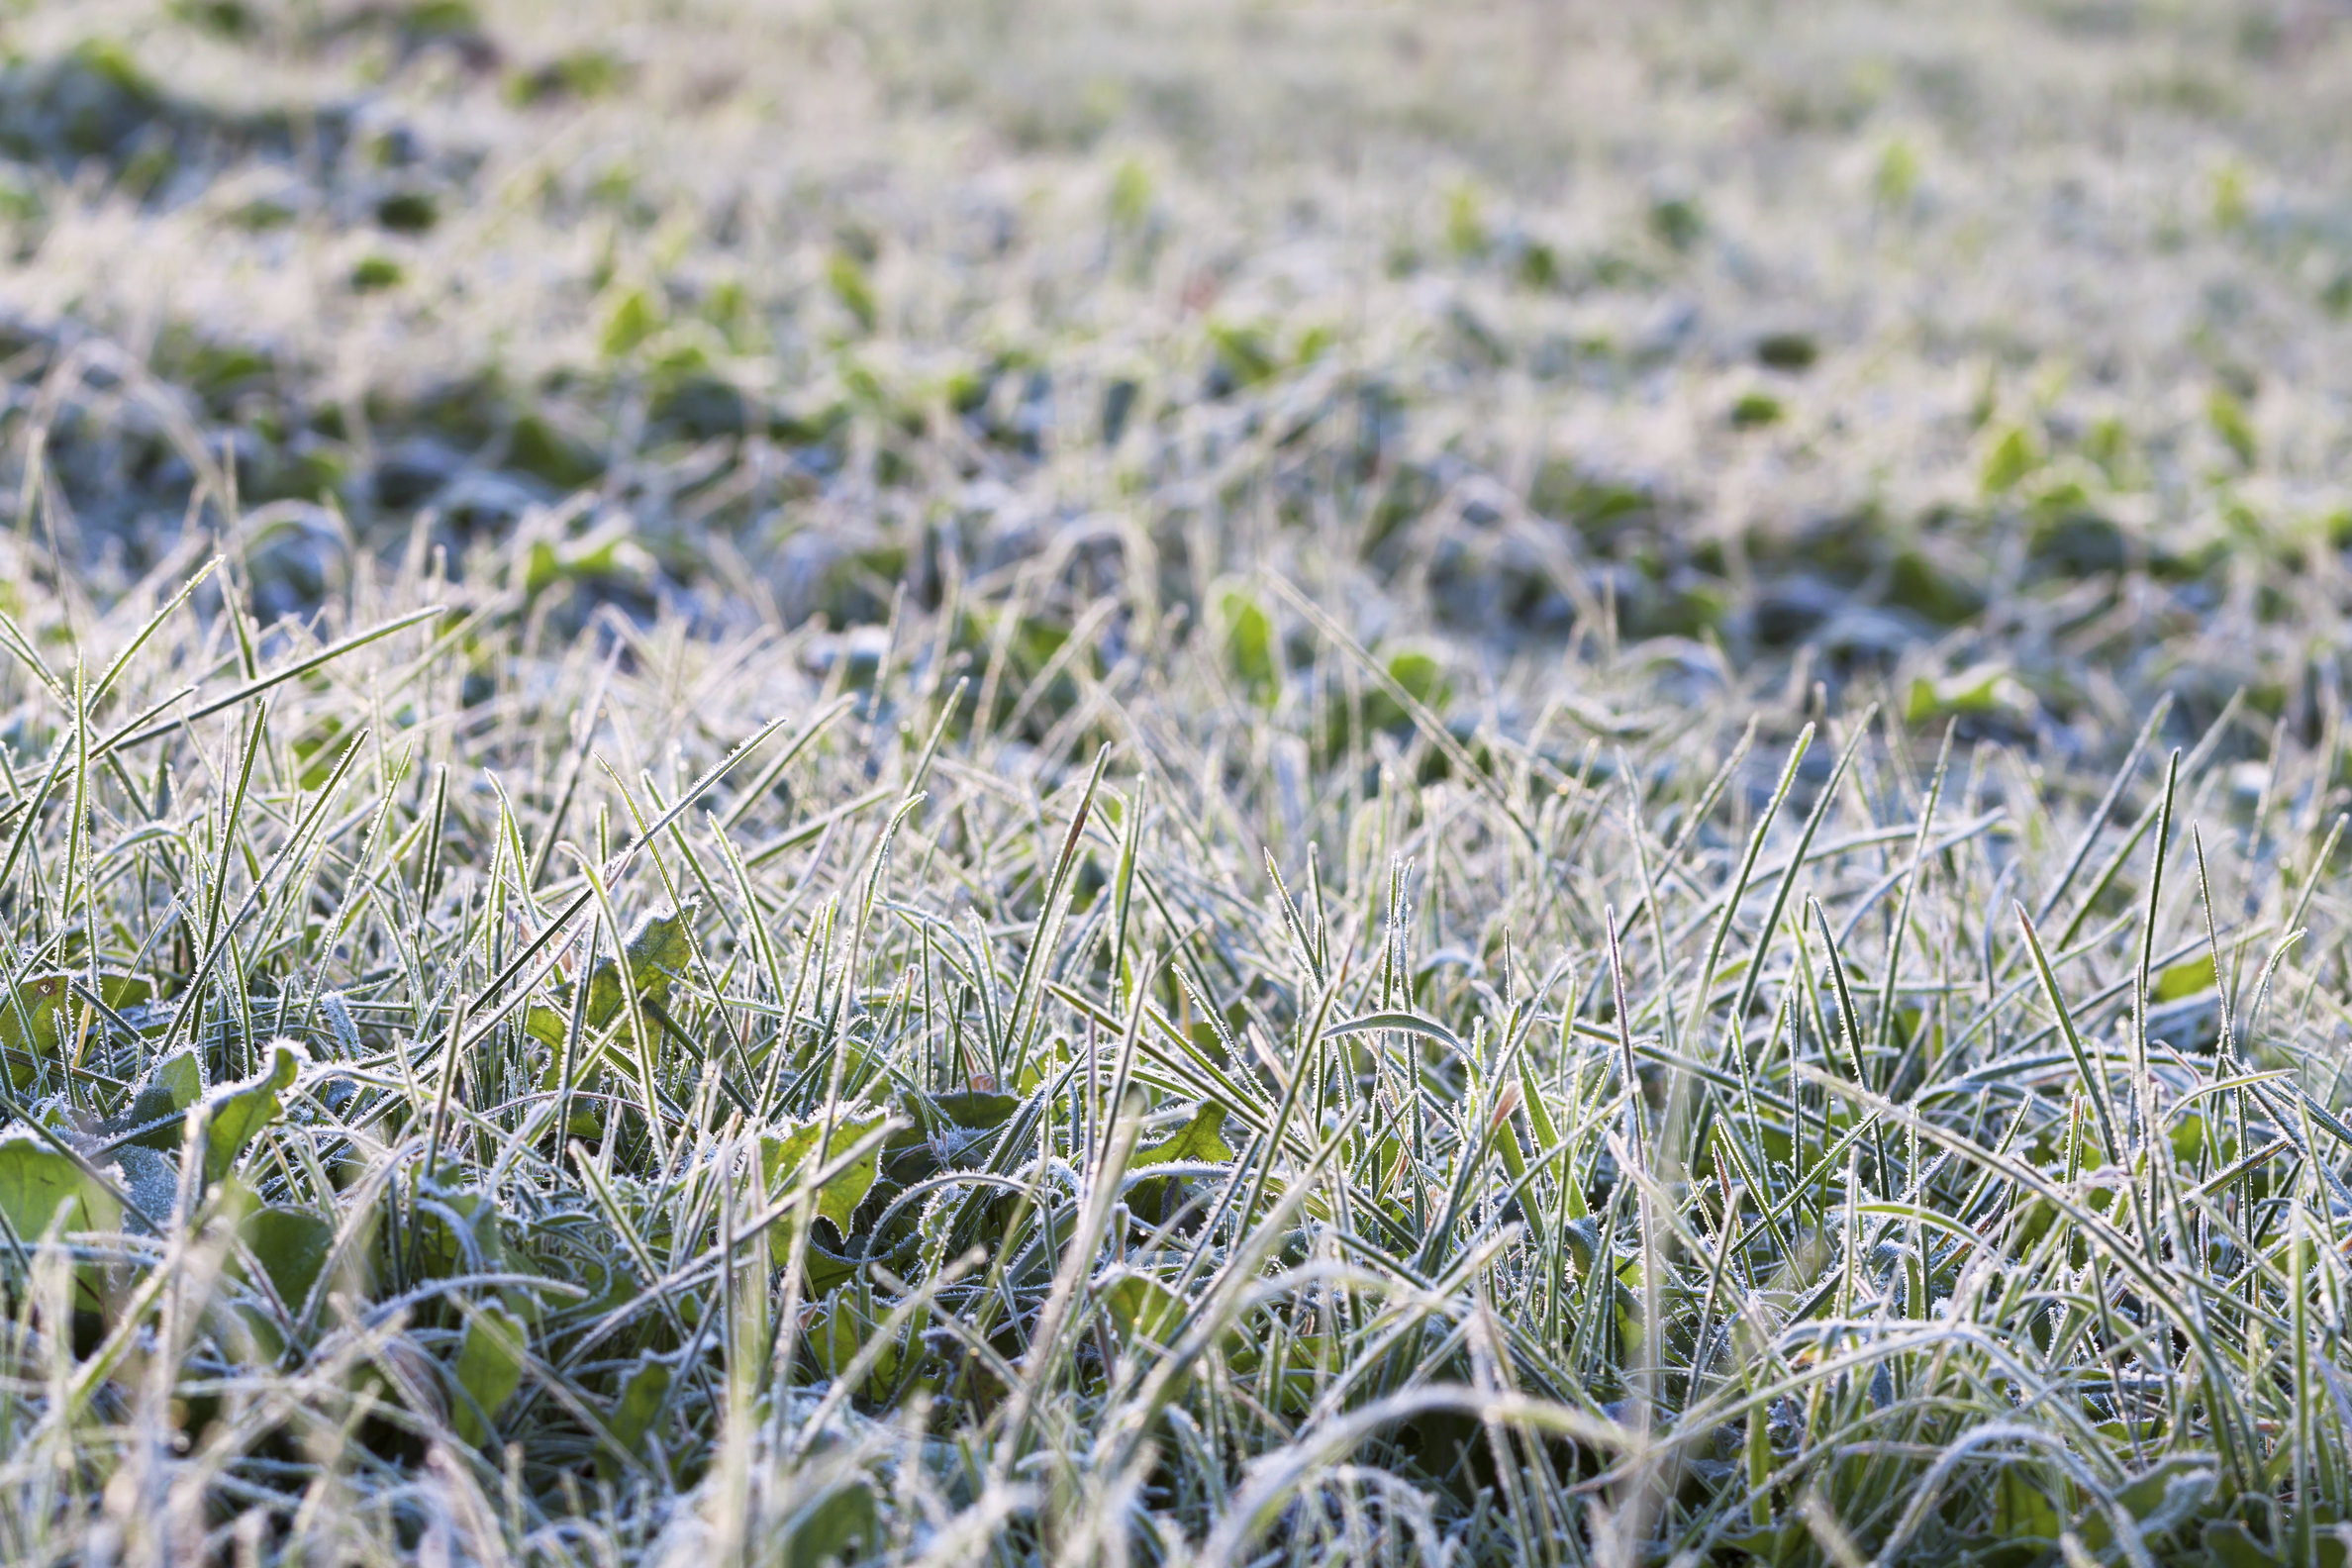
[826, 1269]
[850, 285]
[1243, 352]
[2190, 977]
[973, 1110]
[641, 1400]
[2170, 1493]
[780, 1159]
[234, 1115]
[39, 1187]
[2231, 1546]
[489, 1367]
[948, 1131]
[1249, 645]
[628, 321]
[292, 1247]
[2187, 1139]
[170, 1088]
[837, 1528]
[1143, 1308]
[29, 1023]
[1200, 1140]
[36, 1180]
[1981, 689]
[458, 1231]
[835, 1334]
[2231, 424]
[1421, 676]
[2012, 456]
[2019, 1508]
[657, 949]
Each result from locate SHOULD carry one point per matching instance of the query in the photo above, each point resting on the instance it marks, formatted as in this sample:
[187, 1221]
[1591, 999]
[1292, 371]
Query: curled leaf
[234, 1115]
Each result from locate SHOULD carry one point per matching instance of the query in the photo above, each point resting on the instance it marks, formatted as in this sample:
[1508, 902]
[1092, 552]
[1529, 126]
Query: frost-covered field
[1174, 783]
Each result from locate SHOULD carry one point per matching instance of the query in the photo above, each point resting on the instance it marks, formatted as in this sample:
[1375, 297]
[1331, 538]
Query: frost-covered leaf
[657, 949]
[234, 1115]
[781, 1157]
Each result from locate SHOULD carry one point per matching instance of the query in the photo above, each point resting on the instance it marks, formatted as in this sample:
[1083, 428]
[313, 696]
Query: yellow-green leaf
[632, 1420]
[780, 1159]
[2190, 977]
[1143, 1308]
[835, 1334]
[29, 1023]
[2011, 457]
[657, 949]
[36, 1181]
[1202, 1141]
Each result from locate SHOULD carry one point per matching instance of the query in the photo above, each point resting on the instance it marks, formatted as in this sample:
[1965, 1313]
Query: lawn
[1148, 783]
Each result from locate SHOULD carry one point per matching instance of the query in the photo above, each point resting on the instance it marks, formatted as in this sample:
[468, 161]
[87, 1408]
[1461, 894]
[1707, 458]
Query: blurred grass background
[1897, 338]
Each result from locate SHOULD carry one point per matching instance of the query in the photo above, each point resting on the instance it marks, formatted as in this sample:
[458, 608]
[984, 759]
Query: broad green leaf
[29, 1018]
[34, 1013]
[36, 1180]
[1143, 1308]
[2232, 424]
[1249, 645]
[630, 317]
[489, 1367]
[632, 1420]
[2173, 1492]
[974, 1110]
[853, 289]
[1419, 672]
[2190, 977]
[2231, 1546]
[1202, 1139]
[2012, 456]
[826, 1269]
[39, 1187]
[1307, 1360]
[1981, 689]
[121, 991]
[780, 1159]
[2019, 1508]
[174, 1084]
[840, 1329]
[944, 1128]
[235, 1115]
[839, 1527]
[657, 949]
[458, 1231]
[835, 1334]
[292, 1247]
